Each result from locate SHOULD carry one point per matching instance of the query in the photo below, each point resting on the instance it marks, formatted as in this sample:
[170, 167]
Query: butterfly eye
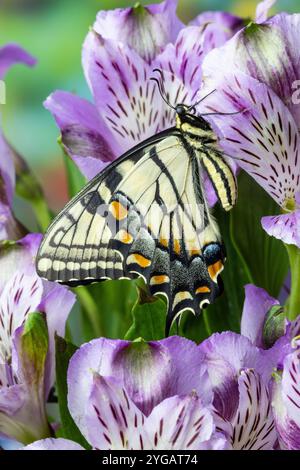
[180, 109]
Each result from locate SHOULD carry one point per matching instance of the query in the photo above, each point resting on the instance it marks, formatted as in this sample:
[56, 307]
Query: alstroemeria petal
[9, 55]
[182, 379]
[257, 303]
[18, 256]
[53, 444]
[263, 135]
[10, 228]
[95, 356]
[218, 442]
[285, 227]
[12, 398]
[12, 54]
[225, 355]
[113, 421]
[147, 29]
[291, 385]
[129, 102]
[267, 52]
[220, 26]
[262, 10]
[286, 404]
[179, 422]
[183, 61]
[21, 295]
[83, 132]
[146, 370]
[253, 425]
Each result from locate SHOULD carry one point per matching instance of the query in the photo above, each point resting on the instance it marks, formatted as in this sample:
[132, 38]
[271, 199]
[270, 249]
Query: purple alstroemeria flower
[137, 395]
[10, 55]
[240, 375]
[262, 61]
[125, 395]
[119, 56]
[26, 362]
[286, 399]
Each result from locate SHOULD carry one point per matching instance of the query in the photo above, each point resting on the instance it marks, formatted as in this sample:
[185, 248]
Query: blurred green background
[53, 31]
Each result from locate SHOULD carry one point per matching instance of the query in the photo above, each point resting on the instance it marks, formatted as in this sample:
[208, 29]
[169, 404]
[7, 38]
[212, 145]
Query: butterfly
[146, 215]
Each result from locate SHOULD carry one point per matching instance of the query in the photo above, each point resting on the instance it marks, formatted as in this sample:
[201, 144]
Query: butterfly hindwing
[144, 215]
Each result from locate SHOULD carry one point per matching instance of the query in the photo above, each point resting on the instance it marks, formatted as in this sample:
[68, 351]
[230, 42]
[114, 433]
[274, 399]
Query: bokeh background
[53, 31]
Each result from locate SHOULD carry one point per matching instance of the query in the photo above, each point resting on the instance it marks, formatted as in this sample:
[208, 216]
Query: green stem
[91, 309]
[205, 314]
[293, 306]
[42, 213]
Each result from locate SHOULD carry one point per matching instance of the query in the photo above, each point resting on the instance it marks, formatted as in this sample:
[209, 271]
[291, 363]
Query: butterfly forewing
[145, 215]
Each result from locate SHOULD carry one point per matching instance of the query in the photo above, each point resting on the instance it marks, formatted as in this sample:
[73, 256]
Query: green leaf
[293, 303]
[64, 352]
[149, 318]
[112, 302]
[264, 257]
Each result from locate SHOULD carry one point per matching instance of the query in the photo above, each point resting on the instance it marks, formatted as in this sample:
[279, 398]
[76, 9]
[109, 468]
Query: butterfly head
[188, 122]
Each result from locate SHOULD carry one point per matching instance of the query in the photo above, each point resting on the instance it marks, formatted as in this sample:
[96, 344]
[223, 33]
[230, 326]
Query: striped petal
[21, 295]
[263, 136]
[267, 52]
[150, 372]
[114, 422]
[225, 355]
[286, 401]
[129, 103]
[285, 227]
[147, 30]
[291, 384]
[180, 423]
[253, 426]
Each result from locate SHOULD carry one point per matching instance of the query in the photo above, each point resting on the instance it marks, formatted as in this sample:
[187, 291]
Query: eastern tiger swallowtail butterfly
[146, 215]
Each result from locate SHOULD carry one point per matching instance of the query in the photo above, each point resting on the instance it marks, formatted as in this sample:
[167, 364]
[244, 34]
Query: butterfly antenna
[202, 99]
[223, 114]
[161, 88]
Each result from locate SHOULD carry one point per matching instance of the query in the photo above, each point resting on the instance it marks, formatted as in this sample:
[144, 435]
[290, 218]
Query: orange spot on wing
[215, 269]
[202, 290]
[125, 237]
[194, 251]
[118, 210]
[164, 242]
[176, 246]
[161, 279]
[140, 260]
